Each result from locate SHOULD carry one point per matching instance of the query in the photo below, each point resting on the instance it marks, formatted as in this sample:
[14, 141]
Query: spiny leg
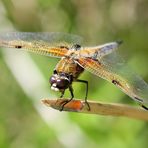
[86, 82]
[72, 96]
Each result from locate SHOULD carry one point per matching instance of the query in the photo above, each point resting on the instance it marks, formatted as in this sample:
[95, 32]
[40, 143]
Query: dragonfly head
[59, 82]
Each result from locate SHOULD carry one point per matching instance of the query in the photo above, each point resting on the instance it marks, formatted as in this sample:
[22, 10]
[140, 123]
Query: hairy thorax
[68, 66]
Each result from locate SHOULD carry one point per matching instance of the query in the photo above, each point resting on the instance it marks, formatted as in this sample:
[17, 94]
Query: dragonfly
[102, 60]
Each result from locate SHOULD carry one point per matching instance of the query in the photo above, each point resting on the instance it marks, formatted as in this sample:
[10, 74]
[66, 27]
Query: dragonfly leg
[71, 91]
[72, 96]
[85, 82]
[62, 94]
[54, 72]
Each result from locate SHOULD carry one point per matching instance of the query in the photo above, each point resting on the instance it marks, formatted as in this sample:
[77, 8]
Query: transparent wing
[50, 44]
[113, 69]
[97, 52]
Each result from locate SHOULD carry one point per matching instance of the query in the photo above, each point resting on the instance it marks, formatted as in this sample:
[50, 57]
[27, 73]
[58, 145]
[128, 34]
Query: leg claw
[88, 106]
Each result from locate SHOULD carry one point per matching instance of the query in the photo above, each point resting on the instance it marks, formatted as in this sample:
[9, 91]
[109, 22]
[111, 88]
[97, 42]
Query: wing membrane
[50, 44]
[97, 52]
[114, 70]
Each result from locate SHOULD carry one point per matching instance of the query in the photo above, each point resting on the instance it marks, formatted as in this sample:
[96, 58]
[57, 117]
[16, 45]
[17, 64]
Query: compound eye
[52, 80]
[62, 83]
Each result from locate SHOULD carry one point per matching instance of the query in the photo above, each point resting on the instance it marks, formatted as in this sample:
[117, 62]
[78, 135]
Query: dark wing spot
[64, 47]
[115, 82]
[18, 46]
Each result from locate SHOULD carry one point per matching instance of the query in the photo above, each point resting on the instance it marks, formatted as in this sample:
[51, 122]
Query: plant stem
[99, 108]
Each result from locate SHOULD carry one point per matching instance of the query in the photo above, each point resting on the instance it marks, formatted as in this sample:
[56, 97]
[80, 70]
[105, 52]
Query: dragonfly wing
[50, 44]
[97, 52]
[112, 68]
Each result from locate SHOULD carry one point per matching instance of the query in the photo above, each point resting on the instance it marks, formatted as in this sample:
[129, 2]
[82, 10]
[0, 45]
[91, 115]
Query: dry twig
[99, 108]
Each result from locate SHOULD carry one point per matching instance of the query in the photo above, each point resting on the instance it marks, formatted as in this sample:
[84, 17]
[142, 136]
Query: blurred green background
[24, 121]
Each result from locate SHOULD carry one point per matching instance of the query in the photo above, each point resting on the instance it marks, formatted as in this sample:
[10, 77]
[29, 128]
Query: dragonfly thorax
[73, 52]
